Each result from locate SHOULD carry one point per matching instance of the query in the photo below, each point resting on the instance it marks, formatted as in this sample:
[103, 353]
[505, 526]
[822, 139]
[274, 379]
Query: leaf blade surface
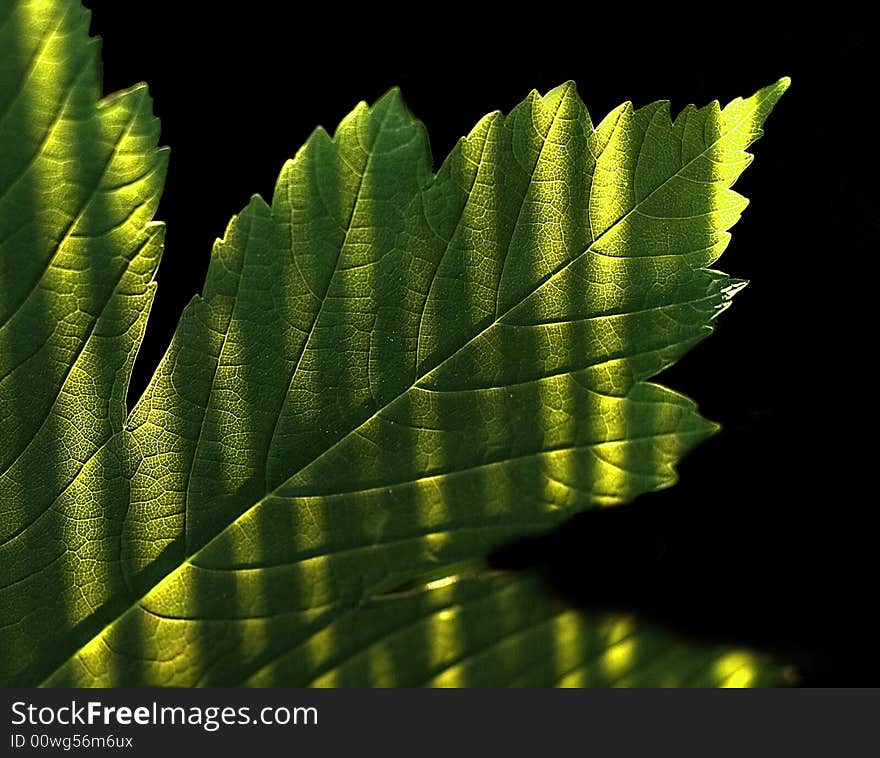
[389, 373]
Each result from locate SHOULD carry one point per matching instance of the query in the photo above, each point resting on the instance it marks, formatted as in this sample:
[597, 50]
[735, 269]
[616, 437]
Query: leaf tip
[768, 96]
[734, 287]
[567, 87]
[392, 98]
[257, 203]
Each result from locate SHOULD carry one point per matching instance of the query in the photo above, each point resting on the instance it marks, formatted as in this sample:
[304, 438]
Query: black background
[768, 537]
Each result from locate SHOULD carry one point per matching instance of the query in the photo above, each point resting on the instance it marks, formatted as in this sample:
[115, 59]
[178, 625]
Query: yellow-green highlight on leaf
[389, 372]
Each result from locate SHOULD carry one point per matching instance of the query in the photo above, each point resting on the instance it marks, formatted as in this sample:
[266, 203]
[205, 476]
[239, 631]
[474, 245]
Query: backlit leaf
[389, 373]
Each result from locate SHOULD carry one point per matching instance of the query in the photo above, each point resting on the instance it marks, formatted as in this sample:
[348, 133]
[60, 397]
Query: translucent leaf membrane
[389, 373]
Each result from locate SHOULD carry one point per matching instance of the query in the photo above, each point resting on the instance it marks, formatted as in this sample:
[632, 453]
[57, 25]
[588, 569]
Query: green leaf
[80, 179]
[389, 373]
